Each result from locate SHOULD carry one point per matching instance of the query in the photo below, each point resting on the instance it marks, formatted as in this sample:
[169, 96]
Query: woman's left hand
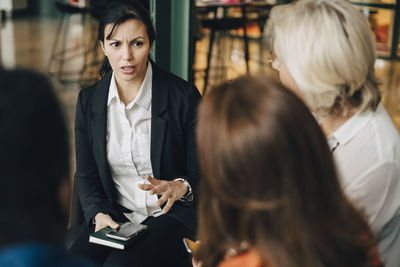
[170, 191]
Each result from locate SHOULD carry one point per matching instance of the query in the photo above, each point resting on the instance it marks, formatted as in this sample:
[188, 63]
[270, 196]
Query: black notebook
[100, 237]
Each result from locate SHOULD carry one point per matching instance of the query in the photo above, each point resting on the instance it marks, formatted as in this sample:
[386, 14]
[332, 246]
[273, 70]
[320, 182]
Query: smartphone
[127, 231]
[190, 245]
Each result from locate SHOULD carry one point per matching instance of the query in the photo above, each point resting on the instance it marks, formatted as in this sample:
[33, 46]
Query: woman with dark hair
[135, 147]
[269, 194]
[34, 163]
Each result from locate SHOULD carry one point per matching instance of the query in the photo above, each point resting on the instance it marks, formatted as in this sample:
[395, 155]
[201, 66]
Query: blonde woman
[324, 51]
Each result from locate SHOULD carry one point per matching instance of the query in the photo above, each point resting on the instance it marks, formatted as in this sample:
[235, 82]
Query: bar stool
[216, 24]
[222, 24]
[59, 57]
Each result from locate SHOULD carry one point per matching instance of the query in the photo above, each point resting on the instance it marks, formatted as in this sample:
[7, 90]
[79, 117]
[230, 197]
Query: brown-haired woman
[270, 195]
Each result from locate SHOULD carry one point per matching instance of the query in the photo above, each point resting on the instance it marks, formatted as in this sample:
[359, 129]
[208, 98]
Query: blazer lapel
[158, 119]
[99, 130]
[158, 122]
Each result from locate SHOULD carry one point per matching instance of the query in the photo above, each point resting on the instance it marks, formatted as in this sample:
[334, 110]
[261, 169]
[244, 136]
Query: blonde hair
[329, 50]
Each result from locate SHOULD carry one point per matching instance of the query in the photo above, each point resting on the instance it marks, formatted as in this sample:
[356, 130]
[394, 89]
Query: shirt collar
[350, 128]
[112, 92]
[143, 98]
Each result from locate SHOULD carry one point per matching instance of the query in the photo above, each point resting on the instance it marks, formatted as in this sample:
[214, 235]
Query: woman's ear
[102, 47]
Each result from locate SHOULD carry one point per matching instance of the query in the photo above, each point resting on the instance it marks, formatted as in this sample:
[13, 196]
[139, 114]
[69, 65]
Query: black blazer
[173, 146]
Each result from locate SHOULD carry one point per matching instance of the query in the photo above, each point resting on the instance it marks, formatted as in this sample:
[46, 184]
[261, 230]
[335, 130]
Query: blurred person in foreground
[34, 164]
[324, 51]
[270, 195]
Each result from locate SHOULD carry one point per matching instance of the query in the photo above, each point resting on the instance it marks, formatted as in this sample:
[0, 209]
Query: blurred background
[205, 42]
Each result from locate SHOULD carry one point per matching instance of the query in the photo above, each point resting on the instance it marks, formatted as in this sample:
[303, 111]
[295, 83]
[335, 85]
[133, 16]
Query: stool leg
[56, 41]
[210, 48]
[63, 51]
[85, 51]
[246, 48]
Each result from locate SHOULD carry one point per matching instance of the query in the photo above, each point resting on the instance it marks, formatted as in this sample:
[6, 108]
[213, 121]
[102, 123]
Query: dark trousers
[160, 245]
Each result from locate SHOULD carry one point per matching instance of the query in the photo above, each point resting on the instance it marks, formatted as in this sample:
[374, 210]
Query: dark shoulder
[39, 254]
[176, 85]
[87, 92]
[97, 92]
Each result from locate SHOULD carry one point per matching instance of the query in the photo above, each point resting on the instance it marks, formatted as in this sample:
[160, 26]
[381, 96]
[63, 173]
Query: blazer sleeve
[88, 185]
[190, 137]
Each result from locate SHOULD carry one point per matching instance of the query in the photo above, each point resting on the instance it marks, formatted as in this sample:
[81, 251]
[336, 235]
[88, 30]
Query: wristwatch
[189, 194]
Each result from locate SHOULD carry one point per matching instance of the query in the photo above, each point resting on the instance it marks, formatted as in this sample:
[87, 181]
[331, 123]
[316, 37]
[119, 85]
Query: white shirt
[367, 153]
[128, 148]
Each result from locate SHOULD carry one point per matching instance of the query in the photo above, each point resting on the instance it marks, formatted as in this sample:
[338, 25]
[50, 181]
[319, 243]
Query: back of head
[329, 49]
[34, 158]
[269, 180]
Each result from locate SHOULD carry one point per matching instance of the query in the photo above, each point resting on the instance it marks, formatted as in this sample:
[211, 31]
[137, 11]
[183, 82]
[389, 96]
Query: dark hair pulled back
[116, 13]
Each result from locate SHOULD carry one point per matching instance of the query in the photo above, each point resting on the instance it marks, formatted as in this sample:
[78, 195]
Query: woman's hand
[170, 191]
[104, 220]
